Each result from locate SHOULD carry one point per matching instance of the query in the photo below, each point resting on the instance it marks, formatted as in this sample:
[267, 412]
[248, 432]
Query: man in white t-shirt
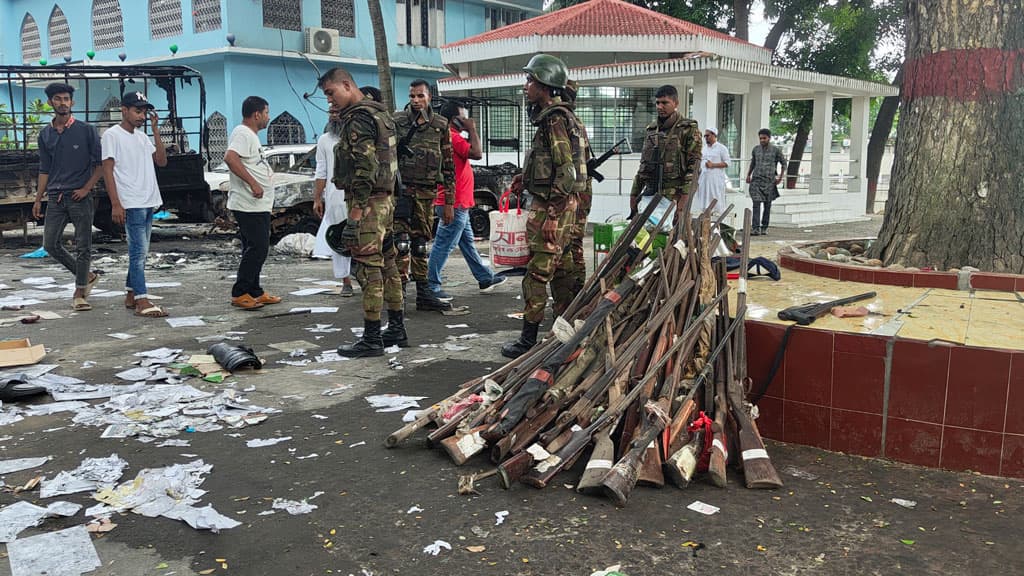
[250, 199]
[329, 204]
[130, 178]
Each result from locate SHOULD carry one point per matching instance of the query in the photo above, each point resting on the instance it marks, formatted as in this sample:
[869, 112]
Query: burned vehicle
[499, 123]
[177, 92]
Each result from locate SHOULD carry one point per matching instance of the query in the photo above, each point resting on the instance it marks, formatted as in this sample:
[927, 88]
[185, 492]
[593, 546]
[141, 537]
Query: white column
[705, 98]
[758, 107]
[821, 130]
[860, 107]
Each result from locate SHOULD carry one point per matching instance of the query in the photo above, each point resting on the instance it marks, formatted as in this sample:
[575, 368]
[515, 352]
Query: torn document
[22, 514]
[67, 552]
[19, 464]
[393, 402]
[261, 442]
[91, 474]
[293, 507]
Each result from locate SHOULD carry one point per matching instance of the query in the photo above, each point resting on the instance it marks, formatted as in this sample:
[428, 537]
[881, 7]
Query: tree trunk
[741, 13]
[380, 45]
[803, 130]
[876, 146]
[956, 197]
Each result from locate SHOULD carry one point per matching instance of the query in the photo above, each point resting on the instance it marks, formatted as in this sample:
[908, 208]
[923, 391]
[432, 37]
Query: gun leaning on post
[594, 163]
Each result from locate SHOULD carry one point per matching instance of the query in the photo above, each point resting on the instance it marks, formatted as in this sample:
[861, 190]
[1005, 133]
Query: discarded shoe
[16, 387]
[232, 358]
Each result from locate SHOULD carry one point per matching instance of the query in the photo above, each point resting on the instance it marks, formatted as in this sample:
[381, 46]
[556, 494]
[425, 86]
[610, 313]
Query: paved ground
[839, 522]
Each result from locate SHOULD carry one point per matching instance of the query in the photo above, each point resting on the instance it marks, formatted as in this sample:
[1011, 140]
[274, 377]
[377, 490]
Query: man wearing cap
[711, 183]
[130, 179]
[554, 172]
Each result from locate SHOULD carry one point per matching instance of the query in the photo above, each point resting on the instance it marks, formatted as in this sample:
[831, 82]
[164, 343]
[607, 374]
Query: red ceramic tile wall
[913, 442]
[763, 341]
[975, 450]
[1012, 461]
[1002, 282]
[935, 280]
[856, 433]
[893, 278]
[917, 381]
[770, 418]
[806, 424]
[976, 392]
[1015, 398]
[858, 382]
[809, 366]
[1018, 284]
[826, 270]
[857, 274]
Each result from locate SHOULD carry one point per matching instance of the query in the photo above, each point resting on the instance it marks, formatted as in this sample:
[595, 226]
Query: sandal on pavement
[152, 311]
[81, 305]
[129, 300]
[91, 284]
[266, 298]
[246, 302]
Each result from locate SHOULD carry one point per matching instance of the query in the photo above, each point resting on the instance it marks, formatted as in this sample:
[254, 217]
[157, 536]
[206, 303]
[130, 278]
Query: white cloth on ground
[335, 209]
[711, 184]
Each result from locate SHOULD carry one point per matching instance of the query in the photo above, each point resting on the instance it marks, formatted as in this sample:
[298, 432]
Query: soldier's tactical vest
[669, 147]
[538, 167]
[384, 141]
[423, 166]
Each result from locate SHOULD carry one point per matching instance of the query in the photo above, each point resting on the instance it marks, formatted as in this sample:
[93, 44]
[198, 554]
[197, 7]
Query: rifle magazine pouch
[233, 358]
[403, 207]
[17, 387]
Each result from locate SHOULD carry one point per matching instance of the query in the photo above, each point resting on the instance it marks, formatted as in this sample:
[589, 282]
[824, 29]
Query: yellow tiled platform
[978, 318]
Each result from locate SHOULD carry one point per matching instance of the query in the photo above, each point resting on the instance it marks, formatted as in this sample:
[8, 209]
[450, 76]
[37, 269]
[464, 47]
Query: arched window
[59, 34]
[285, 129]
[205, 15]
[164, 18]
[282, 14]
[216, 138]
[340, 15]
[31, 49]
[107, 26]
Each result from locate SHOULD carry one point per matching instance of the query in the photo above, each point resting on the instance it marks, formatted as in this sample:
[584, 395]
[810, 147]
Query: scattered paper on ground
[68, 552]
[261, 442]
[393, 402]
[706, 509]
[185, 321]
[22, 514]
[500, 517]
[19, 464]
[435, 548]
[91, 474]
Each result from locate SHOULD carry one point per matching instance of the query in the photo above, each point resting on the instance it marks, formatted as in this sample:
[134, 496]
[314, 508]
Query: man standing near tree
[672, 144]
[554, 171]
[69, 167]
[365, 167]
[763, 180]
[424, 162]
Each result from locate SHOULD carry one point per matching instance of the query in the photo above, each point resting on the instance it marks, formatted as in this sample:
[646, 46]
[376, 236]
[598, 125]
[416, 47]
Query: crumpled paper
[22, 514]
[91, 474]
[435, 548]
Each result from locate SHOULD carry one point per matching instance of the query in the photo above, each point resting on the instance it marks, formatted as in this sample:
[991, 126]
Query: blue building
[270, 48]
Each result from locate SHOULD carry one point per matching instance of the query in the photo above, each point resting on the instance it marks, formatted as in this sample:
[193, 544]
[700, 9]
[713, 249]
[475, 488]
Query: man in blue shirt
[69, 167]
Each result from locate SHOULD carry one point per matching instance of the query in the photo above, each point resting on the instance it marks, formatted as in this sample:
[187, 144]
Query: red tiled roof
[599, 18]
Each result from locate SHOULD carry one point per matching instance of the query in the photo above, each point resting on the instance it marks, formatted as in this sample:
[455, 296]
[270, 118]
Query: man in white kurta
[711, 185]
[329, 205]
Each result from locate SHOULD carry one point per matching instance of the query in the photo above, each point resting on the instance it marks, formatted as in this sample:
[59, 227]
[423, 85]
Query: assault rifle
[808, 313]
[594, 163]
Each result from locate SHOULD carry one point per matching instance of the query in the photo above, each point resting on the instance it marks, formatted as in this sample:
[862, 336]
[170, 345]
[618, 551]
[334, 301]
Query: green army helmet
[548, 70]
[334, 238]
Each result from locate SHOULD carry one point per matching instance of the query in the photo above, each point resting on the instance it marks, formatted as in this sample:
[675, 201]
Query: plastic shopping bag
[509, 246]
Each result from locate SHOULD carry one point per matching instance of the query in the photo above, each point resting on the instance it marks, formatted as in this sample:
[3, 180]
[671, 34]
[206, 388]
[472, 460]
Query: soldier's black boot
[394, 334]
[368, 346]
[527, 339]
[427, 300]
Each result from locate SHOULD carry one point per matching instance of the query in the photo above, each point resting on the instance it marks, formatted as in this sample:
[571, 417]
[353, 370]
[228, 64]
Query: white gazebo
[623, 52]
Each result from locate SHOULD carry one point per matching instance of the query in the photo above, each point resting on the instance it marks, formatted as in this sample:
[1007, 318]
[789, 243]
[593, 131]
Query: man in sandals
[69, 167]
[251, 199]
[130, 178]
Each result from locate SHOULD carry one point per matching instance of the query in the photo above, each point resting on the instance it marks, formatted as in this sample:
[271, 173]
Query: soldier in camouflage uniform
[365, 167]
[674, 143]
[578, 262]
[555, 171]
[425, 161]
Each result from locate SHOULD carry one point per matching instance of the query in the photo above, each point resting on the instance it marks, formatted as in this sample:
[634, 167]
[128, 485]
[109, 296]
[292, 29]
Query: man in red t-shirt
[454, 227]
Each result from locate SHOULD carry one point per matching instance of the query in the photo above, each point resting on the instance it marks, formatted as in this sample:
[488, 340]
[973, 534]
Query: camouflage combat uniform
[555, 171]
[430, 164]
[676, 142]
[579, 229]
[365, 166]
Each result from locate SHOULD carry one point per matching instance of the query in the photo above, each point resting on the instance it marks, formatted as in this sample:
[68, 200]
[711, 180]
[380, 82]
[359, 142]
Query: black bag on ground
[16, 387]
[232, 358]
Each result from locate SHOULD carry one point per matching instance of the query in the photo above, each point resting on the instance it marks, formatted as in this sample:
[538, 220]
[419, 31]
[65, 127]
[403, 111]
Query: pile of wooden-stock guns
[647, 367]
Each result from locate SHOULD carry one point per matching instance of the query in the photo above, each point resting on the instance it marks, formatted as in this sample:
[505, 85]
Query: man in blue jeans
[130, 178]
[453, 222]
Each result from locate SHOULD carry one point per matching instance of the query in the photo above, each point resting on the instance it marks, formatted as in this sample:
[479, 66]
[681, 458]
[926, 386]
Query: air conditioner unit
[322, 41]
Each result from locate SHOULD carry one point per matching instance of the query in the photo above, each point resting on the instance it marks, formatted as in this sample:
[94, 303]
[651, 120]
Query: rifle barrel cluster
[647, 366]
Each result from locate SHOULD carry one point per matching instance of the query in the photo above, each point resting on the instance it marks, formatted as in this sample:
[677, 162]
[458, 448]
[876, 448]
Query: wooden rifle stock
[513, 468]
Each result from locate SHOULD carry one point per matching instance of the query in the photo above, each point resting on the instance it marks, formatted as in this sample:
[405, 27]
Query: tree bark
[957, 197]
[876, 143]
[803, 131]
[380, 45]
[741, 15]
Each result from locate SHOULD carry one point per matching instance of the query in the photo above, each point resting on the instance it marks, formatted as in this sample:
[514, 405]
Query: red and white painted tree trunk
[957, 193]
